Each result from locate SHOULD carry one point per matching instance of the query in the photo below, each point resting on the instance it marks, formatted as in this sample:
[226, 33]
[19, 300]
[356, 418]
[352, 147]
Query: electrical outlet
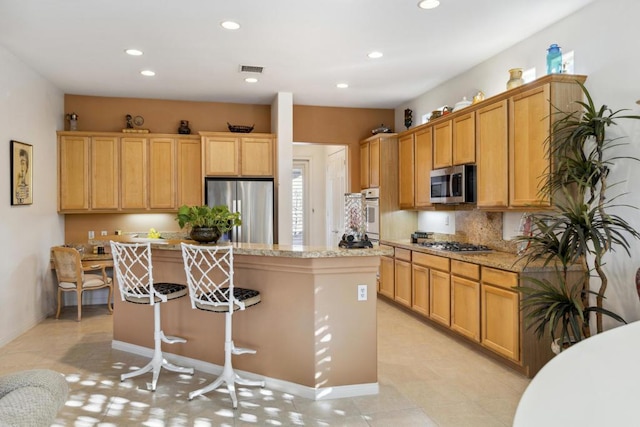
[103, 233]
[362, 292]
[92, 234]
[446, 219]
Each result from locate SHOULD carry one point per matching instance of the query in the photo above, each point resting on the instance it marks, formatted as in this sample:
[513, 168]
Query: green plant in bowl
[207, 223]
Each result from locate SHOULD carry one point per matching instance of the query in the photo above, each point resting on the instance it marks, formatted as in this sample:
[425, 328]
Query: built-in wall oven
[372, 213]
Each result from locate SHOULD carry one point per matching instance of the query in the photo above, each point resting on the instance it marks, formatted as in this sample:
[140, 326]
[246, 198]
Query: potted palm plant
[207, 223]
[580, 230]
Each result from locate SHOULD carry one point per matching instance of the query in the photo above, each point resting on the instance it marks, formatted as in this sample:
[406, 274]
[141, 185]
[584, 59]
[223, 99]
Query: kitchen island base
[313, 337]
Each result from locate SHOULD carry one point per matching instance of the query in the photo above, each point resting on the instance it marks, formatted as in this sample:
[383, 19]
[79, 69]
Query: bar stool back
[133, 270]
[209, 271]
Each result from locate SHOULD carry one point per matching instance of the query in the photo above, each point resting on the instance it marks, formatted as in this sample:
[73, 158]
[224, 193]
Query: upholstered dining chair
[73, 277]
[209, 271]
[133, 270]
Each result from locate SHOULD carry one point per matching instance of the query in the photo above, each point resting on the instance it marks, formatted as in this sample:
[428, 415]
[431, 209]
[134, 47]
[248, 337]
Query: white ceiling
[305, 47]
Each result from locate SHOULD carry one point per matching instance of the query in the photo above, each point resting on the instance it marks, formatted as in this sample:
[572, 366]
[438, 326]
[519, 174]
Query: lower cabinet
[420, 289]
[500, 312]
[465, 299]
[402, 266]
[387, 277]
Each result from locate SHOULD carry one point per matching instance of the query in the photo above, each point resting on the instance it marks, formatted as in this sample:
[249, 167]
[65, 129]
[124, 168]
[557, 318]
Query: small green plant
[219, 217]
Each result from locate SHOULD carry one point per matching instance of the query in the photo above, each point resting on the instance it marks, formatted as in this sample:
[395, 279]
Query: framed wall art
[21, 173]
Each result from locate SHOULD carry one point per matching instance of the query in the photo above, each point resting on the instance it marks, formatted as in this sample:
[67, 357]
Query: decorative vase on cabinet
[515, 78]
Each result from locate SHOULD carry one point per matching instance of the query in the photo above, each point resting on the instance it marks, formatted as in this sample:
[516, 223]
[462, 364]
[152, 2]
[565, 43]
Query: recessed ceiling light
[148, 73]
[251, 80]
[230, 25]
[375, 55]
[428, 4]
[133, 52]
[342, 85]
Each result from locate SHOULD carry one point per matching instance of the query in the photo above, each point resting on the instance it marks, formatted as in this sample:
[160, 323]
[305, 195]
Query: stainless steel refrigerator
[253, 198]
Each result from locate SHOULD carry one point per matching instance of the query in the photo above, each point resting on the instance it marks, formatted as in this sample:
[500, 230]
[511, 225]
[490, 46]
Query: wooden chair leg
[59, 304]
[79, 294]
[109, 306]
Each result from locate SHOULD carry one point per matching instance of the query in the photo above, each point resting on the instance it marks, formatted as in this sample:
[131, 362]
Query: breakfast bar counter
[313, 336]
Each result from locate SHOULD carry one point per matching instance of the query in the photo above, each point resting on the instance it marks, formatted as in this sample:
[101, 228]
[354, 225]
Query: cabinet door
[387, 277]
[492, 155]
[73, 163]
[403, 283]
[423, 166]
[374, 163]
[528, 160]
[364, 165]
[105, 172]
[221, 156]
[162, 173]
[500, 321]
[464, 139]
[420, 289]
[465, 307]
[440, 297]
[189, 169]
[406, 172]
[133, 173]
[442, 142]
[257, 156]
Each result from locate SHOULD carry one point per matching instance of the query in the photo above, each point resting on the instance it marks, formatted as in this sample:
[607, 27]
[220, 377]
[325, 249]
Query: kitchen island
[313, 337]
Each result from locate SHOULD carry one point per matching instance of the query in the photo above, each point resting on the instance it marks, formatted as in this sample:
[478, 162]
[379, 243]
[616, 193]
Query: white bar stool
[209, 271]
[133, 270]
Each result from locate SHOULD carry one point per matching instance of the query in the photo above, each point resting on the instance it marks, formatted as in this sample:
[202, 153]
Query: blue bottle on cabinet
[554, 59]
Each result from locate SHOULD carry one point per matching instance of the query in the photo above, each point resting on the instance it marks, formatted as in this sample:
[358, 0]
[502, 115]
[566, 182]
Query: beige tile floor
[425, 377]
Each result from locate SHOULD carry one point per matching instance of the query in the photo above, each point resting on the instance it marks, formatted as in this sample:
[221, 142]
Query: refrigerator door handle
[239, 229]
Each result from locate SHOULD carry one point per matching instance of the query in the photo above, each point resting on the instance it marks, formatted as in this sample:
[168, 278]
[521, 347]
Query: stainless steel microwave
[455, 184]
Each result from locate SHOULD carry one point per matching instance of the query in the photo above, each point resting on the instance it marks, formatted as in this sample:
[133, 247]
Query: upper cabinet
[492, 139]
[506, 136]
[111, 172]
[228, 154]
[370, 163]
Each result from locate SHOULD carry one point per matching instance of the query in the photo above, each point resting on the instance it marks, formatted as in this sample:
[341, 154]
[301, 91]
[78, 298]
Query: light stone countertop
[496, 259]
[291, 251]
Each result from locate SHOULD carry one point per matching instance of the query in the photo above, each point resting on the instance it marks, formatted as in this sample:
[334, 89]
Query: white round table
[593, 383]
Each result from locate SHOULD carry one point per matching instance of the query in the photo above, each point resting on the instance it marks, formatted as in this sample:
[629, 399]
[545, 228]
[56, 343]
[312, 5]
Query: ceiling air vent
[250, 69]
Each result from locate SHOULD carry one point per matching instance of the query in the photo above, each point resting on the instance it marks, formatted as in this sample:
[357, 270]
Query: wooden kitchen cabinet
[73, 173]
[387, 277]
[492, 140]
[531, 118]
[423, 148]
[134, 173]
[440, 296]
[406, 174]
[226, 154]
[500, 314]
[465, 299]
[463, 143]
[402, 267]
[370, 163]
[189, 171]
[420, 285]
[442, 145]
[162, 173]
[105, 172]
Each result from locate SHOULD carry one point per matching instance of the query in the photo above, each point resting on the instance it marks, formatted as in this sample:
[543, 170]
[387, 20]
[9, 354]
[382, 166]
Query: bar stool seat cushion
[170, 290]
[249, 297]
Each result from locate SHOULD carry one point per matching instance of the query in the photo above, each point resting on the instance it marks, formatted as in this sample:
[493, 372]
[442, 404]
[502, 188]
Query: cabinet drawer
[501, 278]
[465, 269]
[403, 254]
[431, 261]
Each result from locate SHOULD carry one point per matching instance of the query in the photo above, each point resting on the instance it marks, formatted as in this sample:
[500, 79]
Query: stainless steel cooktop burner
[456, 247]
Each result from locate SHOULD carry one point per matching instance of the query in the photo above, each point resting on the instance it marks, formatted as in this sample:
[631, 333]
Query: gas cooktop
[455, 247]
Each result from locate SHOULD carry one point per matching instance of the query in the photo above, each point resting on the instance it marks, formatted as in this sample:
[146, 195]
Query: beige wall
[104, 114]
[333, 125]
